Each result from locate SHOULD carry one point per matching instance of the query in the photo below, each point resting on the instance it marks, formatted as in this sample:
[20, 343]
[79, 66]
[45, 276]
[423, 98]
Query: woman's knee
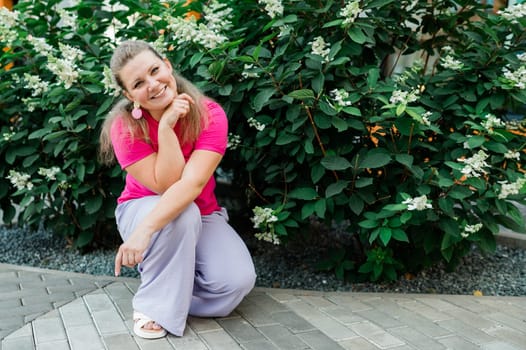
[188, 222]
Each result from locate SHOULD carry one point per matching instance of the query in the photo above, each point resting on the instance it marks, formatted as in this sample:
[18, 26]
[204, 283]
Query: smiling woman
[169, 138]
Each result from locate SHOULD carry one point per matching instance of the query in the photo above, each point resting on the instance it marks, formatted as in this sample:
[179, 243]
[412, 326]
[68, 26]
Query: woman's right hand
[179, 108]
[131, 252]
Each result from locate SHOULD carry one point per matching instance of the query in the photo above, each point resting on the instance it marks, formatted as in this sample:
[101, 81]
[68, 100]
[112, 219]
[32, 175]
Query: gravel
[502, 273]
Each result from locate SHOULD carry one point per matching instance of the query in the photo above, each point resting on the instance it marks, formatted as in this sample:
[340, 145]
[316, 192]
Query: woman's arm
[197, 171]
[168, 163]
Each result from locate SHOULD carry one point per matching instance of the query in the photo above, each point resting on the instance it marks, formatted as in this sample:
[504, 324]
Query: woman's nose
[152, 83]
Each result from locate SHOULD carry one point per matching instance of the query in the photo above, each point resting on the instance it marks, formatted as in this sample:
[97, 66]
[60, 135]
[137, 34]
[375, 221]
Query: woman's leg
[167, 271]
[224, 271]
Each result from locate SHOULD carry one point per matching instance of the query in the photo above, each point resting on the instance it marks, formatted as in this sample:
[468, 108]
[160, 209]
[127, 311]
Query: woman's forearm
[170, 161]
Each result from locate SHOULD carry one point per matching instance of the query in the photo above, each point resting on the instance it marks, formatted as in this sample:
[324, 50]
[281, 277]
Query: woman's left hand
[131, 252]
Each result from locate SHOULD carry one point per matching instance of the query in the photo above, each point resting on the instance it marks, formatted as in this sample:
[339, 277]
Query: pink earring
[136, 112]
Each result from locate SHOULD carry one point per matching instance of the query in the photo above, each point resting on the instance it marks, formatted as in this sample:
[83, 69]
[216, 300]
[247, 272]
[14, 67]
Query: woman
[169, 138]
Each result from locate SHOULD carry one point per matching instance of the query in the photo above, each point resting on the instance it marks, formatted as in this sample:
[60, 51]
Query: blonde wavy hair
[191, 125]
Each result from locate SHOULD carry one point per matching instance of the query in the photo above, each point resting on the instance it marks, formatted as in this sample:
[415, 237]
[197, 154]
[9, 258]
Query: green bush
[420, 163]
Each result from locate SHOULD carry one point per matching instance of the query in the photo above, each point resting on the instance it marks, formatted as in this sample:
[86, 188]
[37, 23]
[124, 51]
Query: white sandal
[140, 320]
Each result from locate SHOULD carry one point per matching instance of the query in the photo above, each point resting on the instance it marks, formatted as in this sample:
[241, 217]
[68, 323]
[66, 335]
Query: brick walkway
[44, 309]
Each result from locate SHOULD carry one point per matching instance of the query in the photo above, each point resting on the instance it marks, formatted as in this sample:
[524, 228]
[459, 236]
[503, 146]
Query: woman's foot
[147, 328]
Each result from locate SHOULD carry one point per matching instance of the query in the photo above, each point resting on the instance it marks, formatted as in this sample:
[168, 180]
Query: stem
[410, 138]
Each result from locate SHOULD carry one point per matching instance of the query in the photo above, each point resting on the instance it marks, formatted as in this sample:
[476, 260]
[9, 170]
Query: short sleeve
[128, 150]
[215, 136]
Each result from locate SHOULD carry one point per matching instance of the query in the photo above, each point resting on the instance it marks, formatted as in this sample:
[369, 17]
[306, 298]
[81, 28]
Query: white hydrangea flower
[474, 166]
[321, 48]
[273, 8]
[449, 62]
[64, 69]
[513, 13]
[340, 97]
[49, 173]
[512, 154]
[8, 25]
[30, 104]
[491, 122]
[36, 84]
[233, 141]
[218, 16]
[508, 189]
[189, 31]
[20, 180]
[248, 73]
[522, 57]
[255, 124]
[264, 219]
[418, 203]
[470, 229]
[350, 12]
[110, 85]
[425, 118]
[70, 53]
[404, 97]
[7, 136]
[40, 45]
[284, 30]
[67, 18]
[516, 78]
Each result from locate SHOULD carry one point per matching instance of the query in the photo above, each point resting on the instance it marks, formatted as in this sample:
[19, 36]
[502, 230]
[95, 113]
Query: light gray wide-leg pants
[195, 265]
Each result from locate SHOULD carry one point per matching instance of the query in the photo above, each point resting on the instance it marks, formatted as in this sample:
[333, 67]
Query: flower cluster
[264, 219]
[49, 173]
[417, 203]
[474, 166]
[248, 72]
[450, 62]
[207, 35]
[491, 122]
[513, 13]
[509, 189]
[321, 48]
[110, 85]
[233, 141]
[470, 229]
[67, 18]
[425, 118]
[512, 154]
[350, 12]
[255, 124]
[340, 98]
[273, 8]
[36, 84]
[404, 97]
[20, 180]
[8, 25]
[515, 78]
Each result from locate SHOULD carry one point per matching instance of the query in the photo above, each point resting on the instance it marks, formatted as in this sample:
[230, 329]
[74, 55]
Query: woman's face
[148, 80]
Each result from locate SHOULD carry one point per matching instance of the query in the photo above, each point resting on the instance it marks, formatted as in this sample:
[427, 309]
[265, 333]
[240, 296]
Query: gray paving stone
[358, 344]
[48, 330]
[219, 340]
[255, 314]
[292, 321]
[58, 345]
[18, 344]
[319, 341]
[415, 338]
[474, 335]
[240, 330]
[84, 337]
[456, 342]
[120, 342]
[260, 345]
[282, 337]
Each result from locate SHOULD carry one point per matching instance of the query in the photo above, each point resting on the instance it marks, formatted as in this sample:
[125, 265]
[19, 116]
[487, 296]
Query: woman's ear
[127, 95]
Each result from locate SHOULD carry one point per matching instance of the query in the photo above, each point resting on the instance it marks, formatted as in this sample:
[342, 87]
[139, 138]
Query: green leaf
[302, 94]
[476, 141]
[356, 204]
[372, 78]
[400, 235]
[385, 235]
[93, 205]
[375, 158]
[405, 159]
[368, 224]
[262, 98]
[305, 193]
[335, 163]
[336, 188]
[356, 34]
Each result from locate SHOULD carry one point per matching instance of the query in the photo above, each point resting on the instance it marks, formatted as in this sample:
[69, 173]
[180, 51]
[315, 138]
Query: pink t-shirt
[129, 150]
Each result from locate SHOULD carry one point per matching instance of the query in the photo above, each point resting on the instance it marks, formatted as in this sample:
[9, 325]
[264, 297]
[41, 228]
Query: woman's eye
[137, 84]
[154, 70]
